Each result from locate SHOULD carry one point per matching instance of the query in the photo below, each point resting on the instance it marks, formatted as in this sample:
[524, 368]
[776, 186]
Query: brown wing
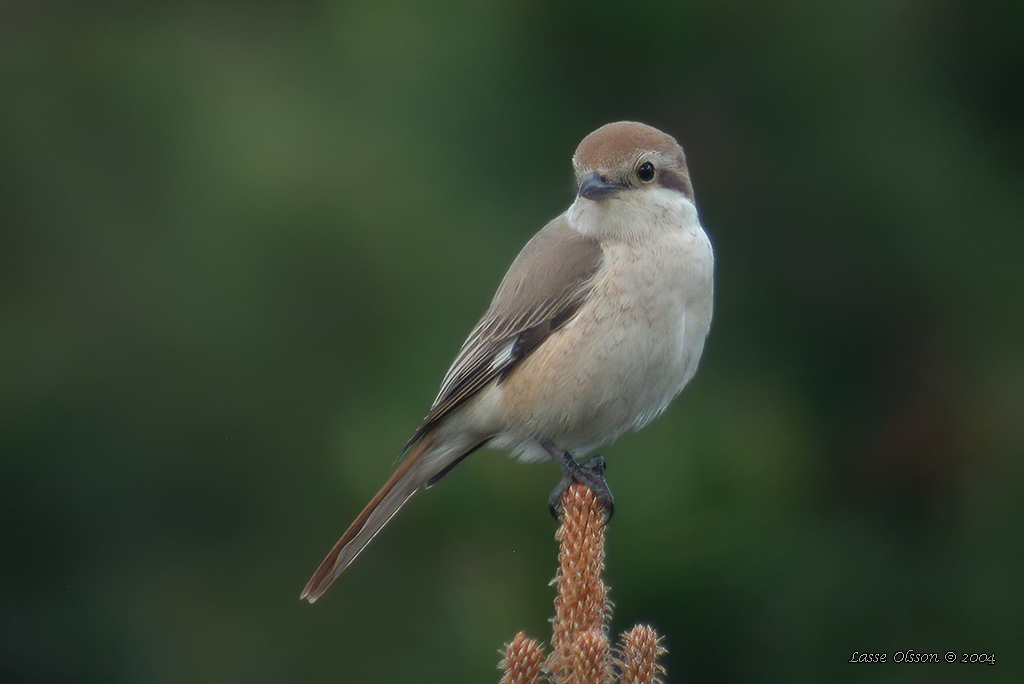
[543, 289]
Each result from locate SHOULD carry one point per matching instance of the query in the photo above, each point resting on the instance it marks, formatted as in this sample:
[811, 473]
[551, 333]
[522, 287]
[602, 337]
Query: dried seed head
[590, 660]
[638, 656]
[523, 660]
[580, 650]
[582, 600]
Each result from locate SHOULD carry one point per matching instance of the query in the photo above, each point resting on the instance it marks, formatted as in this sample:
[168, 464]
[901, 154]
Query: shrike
[598, 324]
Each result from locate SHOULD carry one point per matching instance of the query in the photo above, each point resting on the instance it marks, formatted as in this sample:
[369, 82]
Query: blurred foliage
[240, 243]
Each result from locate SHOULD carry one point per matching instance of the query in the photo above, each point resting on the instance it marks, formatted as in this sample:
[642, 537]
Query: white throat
[633, 216]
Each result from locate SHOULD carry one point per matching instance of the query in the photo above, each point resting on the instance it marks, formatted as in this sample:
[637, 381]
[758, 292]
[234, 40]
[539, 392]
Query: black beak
[594, 187]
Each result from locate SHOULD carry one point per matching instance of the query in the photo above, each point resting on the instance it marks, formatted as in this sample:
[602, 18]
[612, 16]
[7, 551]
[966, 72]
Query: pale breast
[629, 351]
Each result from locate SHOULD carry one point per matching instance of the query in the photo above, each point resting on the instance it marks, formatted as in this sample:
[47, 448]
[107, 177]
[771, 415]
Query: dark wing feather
[543, 289]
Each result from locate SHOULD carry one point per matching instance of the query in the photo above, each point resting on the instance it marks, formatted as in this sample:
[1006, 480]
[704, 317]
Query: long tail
[417, 468]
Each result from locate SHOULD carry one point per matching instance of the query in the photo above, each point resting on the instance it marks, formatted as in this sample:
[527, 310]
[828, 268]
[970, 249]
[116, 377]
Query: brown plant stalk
[580, 648]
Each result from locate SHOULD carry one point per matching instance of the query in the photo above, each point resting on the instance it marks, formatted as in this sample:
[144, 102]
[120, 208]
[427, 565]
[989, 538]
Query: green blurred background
[240, 244]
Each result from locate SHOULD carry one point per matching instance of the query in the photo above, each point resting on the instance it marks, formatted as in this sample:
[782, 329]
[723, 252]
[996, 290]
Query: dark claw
[590, 474]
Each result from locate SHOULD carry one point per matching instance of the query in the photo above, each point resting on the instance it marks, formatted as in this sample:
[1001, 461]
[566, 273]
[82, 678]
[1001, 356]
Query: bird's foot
[590, 474]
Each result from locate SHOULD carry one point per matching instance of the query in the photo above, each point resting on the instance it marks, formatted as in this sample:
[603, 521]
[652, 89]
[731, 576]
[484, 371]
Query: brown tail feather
[403, 483]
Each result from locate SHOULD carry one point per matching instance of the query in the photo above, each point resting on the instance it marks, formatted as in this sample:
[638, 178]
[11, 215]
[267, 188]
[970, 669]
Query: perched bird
[598, 324]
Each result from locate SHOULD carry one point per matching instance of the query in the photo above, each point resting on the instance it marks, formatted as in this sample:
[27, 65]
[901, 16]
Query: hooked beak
[595, 187]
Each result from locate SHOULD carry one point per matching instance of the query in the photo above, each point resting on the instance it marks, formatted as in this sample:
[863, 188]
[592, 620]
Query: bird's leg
[590, 474]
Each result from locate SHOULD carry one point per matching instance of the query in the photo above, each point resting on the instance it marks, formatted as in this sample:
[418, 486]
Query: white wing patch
[503, 356]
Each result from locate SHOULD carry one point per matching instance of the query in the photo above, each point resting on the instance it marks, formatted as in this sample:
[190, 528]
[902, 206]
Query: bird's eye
[645, 171]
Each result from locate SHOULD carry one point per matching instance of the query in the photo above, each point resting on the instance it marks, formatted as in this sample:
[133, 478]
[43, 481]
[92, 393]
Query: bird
[598, 324]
